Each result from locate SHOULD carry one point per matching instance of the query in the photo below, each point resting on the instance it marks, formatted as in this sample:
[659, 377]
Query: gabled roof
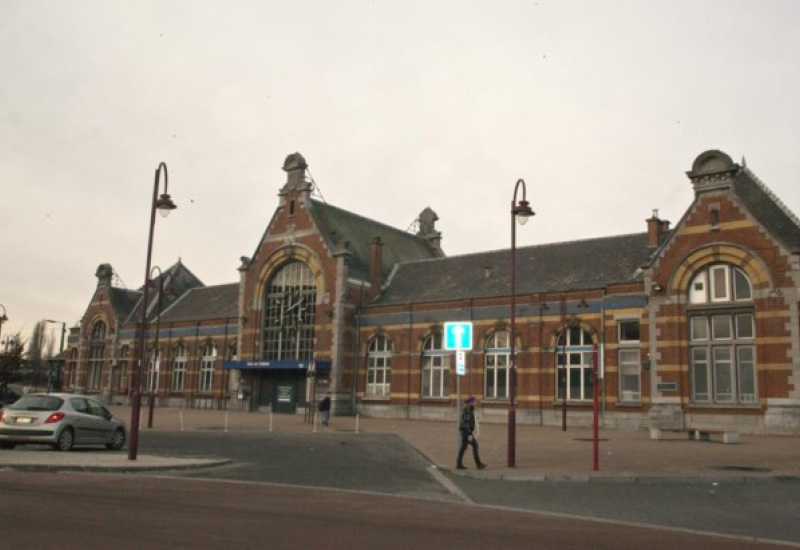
[343, 230]
[768, 209]
[177, 280]
[203, 303]
[574, 265]
[123, 301]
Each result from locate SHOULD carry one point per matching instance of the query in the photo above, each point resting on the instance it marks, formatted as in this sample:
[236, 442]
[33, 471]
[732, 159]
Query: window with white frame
[153, 371]
[206, 381]
[629, 361]
[574, 360]
[179, 369]
[97, 350]
[379, 367]
[722, 337]
[496, 364]
[435, 367]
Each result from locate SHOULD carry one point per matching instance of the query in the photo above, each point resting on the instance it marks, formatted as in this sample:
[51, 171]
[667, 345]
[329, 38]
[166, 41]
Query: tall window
[722, 337]
[574, 359]
[179, 369]
[289, 313]
[206, 383]
[496, 364]
[122, 381]
[153, 371]
[97, 350]
[629, 361]
[379, 367]
[435, 368]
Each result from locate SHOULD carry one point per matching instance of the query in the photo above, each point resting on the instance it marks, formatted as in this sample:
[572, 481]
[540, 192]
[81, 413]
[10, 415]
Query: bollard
[181, 415]
[270, 417]
[226, 421]
[357, 419]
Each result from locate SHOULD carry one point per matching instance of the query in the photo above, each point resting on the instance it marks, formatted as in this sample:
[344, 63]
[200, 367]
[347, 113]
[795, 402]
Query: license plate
[23, 420]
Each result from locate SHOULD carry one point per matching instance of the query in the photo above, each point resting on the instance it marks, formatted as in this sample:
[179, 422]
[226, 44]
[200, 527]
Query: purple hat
[470, 400]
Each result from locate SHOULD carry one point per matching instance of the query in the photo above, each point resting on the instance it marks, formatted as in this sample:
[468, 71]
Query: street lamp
[3, 318]
[164, 205]
[60, 351]
[520, 211]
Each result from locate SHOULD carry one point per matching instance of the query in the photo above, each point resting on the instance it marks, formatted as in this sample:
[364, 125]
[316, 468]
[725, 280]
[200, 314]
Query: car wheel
[66, 440]
[117, 440]
[7, 445]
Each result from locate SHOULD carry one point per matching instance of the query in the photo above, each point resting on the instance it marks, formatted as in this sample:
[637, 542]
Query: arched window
[289, 307]
[153, 371]
[97, 350]
[722, 337]
[206, 381]
[496, 364]
[574, 360]
[179, 369]
[435, 368]
[379, 367]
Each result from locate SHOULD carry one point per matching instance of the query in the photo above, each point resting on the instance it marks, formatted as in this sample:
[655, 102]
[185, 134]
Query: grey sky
[396, 105]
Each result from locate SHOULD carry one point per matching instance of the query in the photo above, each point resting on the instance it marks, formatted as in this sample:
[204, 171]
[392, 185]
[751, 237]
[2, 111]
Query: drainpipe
[408, 367]
[356, 345]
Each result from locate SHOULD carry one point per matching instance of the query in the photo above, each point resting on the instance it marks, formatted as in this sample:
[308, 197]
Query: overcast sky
[396, 105]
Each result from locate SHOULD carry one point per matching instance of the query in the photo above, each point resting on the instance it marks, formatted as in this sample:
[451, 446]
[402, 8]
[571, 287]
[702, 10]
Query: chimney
[656, 229]
[104, 274]
[376, 264]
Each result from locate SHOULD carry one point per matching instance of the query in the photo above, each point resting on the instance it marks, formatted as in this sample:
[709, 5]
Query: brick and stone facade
[694, 326]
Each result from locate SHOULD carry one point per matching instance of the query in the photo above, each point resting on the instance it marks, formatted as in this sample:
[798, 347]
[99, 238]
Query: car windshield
[37, 403]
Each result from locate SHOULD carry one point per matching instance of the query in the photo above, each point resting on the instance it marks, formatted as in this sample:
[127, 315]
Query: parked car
[61, 420]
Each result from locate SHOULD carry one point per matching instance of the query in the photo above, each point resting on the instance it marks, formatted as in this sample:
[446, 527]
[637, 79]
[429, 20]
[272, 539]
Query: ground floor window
[206, 382]
[435, 368]
[179, 369]
[723, 366]
[574, 361]
[496, 364]
[379, 367]
[630, 383]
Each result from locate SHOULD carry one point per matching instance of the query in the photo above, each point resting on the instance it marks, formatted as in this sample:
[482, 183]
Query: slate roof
[177, 281]
[203, 303]
[339, 226]
[123, 301]
[768, 209]
[574, 265]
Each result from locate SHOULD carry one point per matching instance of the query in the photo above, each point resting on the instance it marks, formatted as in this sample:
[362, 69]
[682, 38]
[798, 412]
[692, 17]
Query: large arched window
[496, 365]
[97, 350]
[379, 367]
[574, 359]
[289, 308]
[435, 368]
[722, 337]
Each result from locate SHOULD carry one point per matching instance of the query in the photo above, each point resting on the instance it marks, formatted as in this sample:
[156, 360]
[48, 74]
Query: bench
[698, 434]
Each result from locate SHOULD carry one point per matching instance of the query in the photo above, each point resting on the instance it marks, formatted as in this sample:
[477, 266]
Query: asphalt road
[365, 491]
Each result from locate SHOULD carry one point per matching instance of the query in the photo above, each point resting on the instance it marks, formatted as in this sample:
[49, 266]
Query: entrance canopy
[284, 364]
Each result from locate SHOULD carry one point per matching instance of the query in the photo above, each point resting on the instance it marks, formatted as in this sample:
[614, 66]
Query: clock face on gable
[289, 314]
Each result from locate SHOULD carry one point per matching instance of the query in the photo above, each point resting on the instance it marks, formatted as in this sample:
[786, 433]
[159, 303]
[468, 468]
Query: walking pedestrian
[325, 409]
[466, 427]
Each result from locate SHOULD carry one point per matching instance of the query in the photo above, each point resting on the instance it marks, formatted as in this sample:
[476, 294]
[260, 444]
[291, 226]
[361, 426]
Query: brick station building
[693, 326]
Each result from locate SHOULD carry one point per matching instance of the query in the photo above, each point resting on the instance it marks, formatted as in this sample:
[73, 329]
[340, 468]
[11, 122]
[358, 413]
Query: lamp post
[164, 205]
[3, 318]
[60, 350]
[520, 212]
[156, 354]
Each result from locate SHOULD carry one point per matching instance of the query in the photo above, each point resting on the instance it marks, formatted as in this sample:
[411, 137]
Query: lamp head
[165, 205]
[523, 211]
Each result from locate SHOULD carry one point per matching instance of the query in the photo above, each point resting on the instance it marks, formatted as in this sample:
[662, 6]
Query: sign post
[458, 338]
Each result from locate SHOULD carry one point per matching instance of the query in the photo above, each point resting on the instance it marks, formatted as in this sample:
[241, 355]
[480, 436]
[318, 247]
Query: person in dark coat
[466, 427]
[325, 409]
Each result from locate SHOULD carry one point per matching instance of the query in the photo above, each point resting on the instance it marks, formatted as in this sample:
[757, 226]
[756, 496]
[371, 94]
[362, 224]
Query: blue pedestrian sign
[458, 336]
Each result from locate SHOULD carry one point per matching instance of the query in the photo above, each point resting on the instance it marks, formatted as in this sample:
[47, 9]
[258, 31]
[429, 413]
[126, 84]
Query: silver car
[61, 420]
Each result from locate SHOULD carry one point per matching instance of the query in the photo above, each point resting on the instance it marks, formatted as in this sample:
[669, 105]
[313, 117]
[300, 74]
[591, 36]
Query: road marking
[445, 482]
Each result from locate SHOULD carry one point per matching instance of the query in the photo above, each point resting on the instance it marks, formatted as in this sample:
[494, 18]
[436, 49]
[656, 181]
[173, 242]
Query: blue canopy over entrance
[283, 364]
